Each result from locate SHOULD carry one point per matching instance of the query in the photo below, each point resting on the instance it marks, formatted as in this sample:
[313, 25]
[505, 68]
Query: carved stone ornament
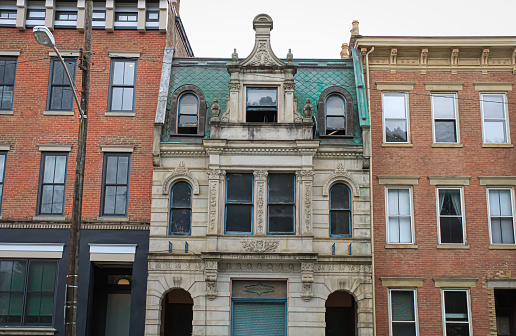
[252, 245]
[307, 278]
[307, 110]
[225, 115]
[290, 57]
[234, 56]
[260, 175]
[262, 54]
[289, 86]
[210, 277]
[340, 174]
[215, 108]
[234, 86]
[215, 174]
[180, 173]
[297, 116]
[259, 289]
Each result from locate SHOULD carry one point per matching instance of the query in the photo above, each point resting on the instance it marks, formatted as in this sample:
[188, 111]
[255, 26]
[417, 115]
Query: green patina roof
[313, 77]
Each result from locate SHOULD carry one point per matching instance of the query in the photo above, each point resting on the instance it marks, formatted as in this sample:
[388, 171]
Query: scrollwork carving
[340, 174]
[180, 173]
[251, 245]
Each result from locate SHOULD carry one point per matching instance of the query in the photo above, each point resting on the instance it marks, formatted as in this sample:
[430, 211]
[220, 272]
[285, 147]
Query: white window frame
[414, 291]
[455, 101]
[407, 116]
[468, 302]
[411, 205]
[507, 133]
[511, 192]
[461, 211]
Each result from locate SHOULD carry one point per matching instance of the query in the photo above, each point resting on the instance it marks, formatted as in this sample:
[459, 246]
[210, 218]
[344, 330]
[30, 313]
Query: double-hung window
[239, 203]
[395, 117]
[501, 216]
[60, 95]
[3, 156]
[399, 216]
[445, 117]
[7, 74]
[115, 184]
[180, 209]
[451, 220]
[281, 204]
[122, 85]
[340, 211]
[52, 183]
[27, 292]
[494, 117]
[403, 312]
[187, 114]
[335, 115]
[261, 104]
[456, 312]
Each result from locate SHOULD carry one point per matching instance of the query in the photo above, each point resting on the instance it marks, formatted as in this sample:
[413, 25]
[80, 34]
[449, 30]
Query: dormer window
[335, 115]
[187, 113]
[262, 104]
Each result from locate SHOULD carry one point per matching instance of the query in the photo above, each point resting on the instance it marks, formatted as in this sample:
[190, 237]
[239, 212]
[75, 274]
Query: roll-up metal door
[259, 318]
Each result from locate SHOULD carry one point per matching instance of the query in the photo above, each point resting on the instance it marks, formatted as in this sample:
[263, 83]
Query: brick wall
[422, 160]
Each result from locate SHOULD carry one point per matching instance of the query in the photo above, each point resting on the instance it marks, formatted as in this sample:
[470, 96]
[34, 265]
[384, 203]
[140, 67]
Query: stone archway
[176, 313]
[341, 314]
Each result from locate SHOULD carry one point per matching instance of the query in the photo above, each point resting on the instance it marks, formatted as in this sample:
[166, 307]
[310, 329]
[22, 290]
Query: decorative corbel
[307, 278]
[513, 61]
[454, 57]
[424, 56]
[485, 57]
[394, 56]
[210, 276]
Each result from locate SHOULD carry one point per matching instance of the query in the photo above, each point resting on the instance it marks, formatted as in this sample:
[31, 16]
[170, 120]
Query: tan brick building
[442, 113]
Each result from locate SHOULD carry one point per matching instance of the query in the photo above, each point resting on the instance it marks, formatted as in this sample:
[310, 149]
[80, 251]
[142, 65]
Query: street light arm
[70, 81]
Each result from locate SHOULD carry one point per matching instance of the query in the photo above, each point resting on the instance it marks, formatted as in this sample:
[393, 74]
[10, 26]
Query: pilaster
[260, 187]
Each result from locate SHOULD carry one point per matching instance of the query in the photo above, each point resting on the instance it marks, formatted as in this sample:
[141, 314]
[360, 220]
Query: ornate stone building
[260, 218]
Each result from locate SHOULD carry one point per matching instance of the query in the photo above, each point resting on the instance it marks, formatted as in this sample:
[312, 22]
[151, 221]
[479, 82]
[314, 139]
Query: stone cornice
[436, 41]
[138, 226]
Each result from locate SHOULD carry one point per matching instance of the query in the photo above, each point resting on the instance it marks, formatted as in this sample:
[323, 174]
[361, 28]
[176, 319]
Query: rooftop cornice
[436, 41]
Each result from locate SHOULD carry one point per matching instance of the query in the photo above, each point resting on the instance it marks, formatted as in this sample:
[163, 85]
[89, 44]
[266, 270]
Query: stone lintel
[455, 282]
[402, 281]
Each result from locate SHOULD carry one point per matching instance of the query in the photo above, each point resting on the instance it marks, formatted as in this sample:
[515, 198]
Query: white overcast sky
[317, 28]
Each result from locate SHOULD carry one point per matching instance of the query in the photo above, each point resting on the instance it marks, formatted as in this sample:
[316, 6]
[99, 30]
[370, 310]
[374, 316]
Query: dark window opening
[3, 156]
[122, 85]
[450, 216]
[456, 313]
[188, 111]
[176, 313]
[505, 304]
[335, 115]
[7, 74]
[281, 203]
[340, 210]
[52, 183]
[60, 95]
[262, 105]
[126, 17]
[180, 209]
[115, 184]
[152, 16]
[239, 203]
[403, 313]
[341, 314]
[35, 14]
[99, 15]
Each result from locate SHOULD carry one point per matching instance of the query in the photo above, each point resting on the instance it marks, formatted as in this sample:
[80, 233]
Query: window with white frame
[456, 312]
[494, 117]
[399, 216]
[403, 312]
[395, 117]
[444, 111]
[451, 221]
[501, 216]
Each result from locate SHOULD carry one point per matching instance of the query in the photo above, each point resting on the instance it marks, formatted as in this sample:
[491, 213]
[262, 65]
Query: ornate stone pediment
[340, 174]
[262, 54]
[180, 173]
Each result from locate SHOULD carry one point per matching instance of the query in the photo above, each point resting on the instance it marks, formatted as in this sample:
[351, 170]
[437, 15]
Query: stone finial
[290, 57]
[307, 110]
[262, 54]
[354, 30]
[262, 23]
[215, 108]
[344, 51]
[234, 56]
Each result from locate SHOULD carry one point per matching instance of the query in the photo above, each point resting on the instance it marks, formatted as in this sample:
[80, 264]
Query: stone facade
[206, 262]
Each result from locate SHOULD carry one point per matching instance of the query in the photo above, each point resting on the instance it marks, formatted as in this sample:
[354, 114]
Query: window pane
[18, 275]
[238, 217]
[405, 230]
[7, 97]
[339, 196]
[56, 97]
[46, 199]
[281, 218]
[2, 167]
[49, 274]
[404, 202]
[116, 99]
[109, 200]
[33, 307]
[67, 100]
[402, 304]
[394, 106]
[403, 329]
[46, 305]
[395, 130]
[188, 104]
[505, 202]
[58, 75]
[261, 97]
[449, 202]
[496, 230]
[443, 106]
[15, 307]
[451, 230]
[50, 162]
[128, 99]
[394, 230]
[58, 199]
[187, 121]
[507, 230]
[121, 200]
[456, 306]
[10, 71]
[240, 188]
[111, 168]
[181, 195]
[493, 106]
[393, 201]
[180, 220]
[153, 16]
[123, 166]
[4, 306]
[335, 106]
[445, 131]
[335, 122]
[339, 222]
[494, 132]
[6, 270]
[281, 188]
[60, 172]
[118, 72]
[129, 70]
[35, 276]
[457, 329]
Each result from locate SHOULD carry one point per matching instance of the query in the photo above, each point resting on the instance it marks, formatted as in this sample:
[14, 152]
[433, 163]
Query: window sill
[49, 218]
[396, 144]
[58, 113]
[502, 247]
[6, 112]
[501, 145]
[120, 114]
[113, 219]
[453, 246]
[27, 331]
[447, 145]
[401, 246]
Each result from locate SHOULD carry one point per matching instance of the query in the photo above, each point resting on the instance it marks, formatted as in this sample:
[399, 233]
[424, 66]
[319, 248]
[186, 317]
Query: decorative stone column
[289, 86]
[214, 178]
[234, 91]
[260, 187]
[306, 183]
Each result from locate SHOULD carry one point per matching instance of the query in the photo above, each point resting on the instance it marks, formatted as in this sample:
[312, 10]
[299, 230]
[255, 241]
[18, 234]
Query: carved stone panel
[214, 178]
[260, 178]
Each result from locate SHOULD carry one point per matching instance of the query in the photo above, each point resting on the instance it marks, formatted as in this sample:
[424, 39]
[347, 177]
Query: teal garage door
[259, 319]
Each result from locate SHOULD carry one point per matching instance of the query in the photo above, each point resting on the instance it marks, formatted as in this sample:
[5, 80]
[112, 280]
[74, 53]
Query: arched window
[180, 219]
[187, 114]
[335, 109]
[340, 210]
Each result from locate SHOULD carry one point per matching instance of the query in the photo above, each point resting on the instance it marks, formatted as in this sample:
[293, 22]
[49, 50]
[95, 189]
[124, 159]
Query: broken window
[239, 203]
[262, 104]
[281, 203]
[180, 209]
[340, 210]
[187, 113]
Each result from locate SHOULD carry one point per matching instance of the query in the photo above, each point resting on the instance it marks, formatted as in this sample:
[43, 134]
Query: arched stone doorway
[341, 314]
[176, 313]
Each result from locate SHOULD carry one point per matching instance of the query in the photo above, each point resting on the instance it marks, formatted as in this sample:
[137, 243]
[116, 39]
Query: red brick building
[38, 144]
[442, 113]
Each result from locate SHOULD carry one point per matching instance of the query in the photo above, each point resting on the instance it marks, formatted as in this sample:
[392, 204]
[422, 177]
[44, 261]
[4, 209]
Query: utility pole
[72, 280]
